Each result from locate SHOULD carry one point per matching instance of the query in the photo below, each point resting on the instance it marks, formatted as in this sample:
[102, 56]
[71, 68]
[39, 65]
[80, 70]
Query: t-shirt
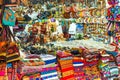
[79, 28]
[59, 29]
[33, 15]
[72, 28]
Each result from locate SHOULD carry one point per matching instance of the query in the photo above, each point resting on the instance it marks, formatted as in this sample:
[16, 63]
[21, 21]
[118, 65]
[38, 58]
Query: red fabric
[63, 54]
[108, 12]
[64, 62]
[78, 60]
[79, 74]
[67, 77]
[66, 66]
[10, 76]
[67, 69]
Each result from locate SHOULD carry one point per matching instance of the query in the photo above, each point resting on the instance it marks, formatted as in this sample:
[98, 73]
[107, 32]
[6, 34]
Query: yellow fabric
[3, 54]
[26, 78]
[12, 54]
[14, 60]
[97, 79]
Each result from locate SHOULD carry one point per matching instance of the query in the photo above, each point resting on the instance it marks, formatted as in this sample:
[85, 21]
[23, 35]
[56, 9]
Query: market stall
[59, 40]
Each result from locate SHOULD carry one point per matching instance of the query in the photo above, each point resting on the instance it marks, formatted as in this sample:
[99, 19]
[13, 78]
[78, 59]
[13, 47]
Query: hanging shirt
[59, 29]
[72, 28]
[44, 7]
[79, 28]
[33, 15]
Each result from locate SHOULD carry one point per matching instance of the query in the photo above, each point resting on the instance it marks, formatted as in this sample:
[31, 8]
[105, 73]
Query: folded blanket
[70, 77]
[32, 56]
[13, 57]
[31, 59]
[3, 54]
[78, 70]
[33, 63]
[49, 68]
[78, 59]
[47, 57]
[67, 69]
[35, 76]
[95, 62]
[80, 64]
[64, 62]
[2, 59]
[52, 78]
[50, 65]
[30, 69]
[79, 74]
[61, 54]
[66, 58]
[50, 61]
[66, 66]
[67, 73]
[48, 72]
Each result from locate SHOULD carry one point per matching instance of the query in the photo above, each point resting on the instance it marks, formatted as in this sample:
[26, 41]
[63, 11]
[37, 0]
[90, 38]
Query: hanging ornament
[53, 20]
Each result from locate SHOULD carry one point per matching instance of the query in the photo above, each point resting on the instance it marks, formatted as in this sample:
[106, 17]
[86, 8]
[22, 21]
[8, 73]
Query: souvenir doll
[66, 13]
[52, 25]
[73, 11]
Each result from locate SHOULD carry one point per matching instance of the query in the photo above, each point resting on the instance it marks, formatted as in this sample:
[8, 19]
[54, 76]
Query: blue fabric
[37, 78]
[77, 62]
[47, 72]
[50, 61]
[44, 78]
[79, 28]
[9, 65]
[31, 79]
[112, 53]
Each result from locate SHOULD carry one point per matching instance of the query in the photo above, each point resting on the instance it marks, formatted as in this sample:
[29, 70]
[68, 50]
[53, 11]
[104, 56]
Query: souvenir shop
[59, 39]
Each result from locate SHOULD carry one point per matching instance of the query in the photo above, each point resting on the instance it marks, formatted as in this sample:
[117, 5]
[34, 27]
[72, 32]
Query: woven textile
[70, 77]
[49, 69]
[30, 69]
[64, 62]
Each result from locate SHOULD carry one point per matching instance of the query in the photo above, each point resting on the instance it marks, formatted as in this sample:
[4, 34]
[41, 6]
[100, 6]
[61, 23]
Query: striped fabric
[49, 68]
[49, 75]
[33, 63]
[30, 69]
[48, 72]
[70, 77]
[2, 69]
[48, 59]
